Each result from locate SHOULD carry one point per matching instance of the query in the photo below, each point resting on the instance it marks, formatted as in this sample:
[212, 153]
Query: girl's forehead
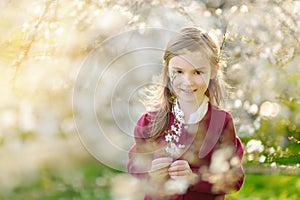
[195, 59]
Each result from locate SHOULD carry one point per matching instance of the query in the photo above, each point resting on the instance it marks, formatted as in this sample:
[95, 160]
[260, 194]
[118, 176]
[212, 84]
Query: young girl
[185, 145]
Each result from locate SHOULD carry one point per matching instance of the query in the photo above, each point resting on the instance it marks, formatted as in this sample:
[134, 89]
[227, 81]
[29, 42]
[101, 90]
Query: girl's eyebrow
[174, 67]
[201, 68]
[198, 68]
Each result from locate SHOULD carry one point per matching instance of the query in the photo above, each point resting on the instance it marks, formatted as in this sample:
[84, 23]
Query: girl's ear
[214, 71]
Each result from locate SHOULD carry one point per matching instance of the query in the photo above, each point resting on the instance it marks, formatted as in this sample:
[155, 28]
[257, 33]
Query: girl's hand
[180, 169]
[159, 169]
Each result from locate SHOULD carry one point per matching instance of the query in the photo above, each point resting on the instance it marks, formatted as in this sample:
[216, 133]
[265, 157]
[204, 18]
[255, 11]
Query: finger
[180, 162]
[158, 173]
[178, 168]
[179, 165]
[179, 173]
[162, 160]
[159, 166]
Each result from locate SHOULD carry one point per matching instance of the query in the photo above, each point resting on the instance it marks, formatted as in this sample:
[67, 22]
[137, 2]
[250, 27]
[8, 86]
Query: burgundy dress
[215, 131]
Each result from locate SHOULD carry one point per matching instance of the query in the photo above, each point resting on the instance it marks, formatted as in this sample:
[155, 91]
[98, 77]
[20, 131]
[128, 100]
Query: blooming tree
[44, 43]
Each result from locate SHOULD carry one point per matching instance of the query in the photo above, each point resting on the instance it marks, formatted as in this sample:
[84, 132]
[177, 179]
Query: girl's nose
[188, 80]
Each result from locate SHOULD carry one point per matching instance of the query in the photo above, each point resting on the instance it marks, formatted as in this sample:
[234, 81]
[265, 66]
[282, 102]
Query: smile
[188, 91]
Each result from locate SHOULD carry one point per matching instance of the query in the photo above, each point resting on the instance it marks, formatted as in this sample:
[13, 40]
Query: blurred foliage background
[43, 44]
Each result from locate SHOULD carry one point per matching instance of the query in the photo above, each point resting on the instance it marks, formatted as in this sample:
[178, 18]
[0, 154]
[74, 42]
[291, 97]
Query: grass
[84, 181]
[89, 181]
[268, 187]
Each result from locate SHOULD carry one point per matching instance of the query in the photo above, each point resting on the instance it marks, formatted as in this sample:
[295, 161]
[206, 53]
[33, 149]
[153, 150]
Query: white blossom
[168, 138]
[255, 146]
[176, 138]
[173, 134]
[262, 159]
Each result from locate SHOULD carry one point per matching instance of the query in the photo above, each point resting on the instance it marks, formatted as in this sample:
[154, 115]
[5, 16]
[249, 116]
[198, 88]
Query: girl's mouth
[188, 91]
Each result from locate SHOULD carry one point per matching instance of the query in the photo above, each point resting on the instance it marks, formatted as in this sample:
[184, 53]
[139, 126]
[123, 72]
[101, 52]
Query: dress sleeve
[229, 180]
[230, 139]
[140, 156]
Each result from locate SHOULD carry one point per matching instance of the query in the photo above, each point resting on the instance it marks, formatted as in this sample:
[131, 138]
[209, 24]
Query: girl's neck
[189, 107]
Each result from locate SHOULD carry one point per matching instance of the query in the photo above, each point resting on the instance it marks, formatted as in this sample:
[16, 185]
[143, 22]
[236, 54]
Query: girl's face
[189, 75]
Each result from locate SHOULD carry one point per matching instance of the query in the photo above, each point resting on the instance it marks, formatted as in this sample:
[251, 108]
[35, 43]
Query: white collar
[198, 115]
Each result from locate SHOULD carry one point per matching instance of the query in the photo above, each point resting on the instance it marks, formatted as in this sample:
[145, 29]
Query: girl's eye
[198, 72]
[177, 72]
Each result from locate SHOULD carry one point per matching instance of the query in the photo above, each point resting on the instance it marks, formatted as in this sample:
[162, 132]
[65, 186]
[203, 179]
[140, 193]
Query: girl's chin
[188, 99]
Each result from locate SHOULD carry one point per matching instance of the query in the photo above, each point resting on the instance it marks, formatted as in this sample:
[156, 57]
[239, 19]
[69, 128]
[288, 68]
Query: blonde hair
[190, 39]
